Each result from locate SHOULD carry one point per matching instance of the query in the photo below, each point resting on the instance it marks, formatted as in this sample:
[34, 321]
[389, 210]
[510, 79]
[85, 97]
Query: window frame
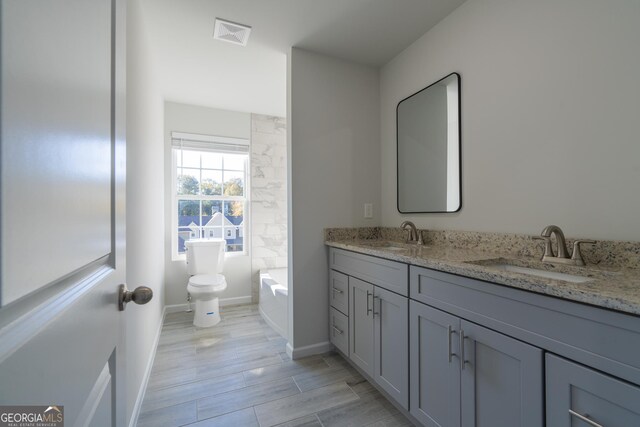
[175, 197]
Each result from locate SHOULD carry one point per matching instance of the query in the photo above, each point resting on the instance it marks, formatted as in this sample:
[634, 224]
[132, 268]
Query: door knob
[140, 295]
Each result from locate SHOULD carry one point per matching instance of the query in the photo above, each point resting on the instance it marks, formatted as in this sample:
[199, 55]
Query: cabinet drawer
[390, 275]
[575, 391]
[339, 330]
[339, 291]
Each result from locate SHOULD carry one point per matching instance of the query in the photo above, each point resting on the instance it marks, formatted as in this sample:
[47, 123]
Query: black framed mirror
[428, 129]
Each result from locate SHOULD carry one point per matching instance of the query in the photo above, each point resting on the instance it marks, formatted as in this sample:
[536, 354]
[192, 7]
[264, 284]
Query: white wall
[206, 121]
[550, 108]
[145, 195]
[334, 157]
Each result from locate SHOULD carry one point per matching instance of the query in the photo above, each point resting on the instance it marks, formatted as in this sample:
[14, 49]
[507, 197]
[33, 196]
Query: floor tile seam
[232, 343]
[240, 408]
[143, 412]
[255, 414]
[240, 346]
[175, 327]
[296, 383]
[259, 351]
[336, 381]
[202, 357]
[242, 370]
[170, 348]
[214, 376]
[312, 413]
[253, 385]
[201, 379]
[284, 375]
[386, 418]
[198, 398]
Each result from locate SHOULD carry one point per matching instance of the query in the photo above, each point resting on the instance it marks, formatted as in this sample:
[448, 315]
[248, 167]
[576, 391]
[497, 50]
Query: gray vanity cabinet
[377, 309]
[501, 379]
[379, 337]
[580, 396]
[361, 347]
[435, 366]
[339, 311]
[391, 344]
[463, 374]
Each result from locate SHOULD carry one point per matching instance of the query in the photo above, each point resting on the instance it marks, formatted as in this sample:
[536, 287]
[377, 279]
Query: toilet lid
[214, 281]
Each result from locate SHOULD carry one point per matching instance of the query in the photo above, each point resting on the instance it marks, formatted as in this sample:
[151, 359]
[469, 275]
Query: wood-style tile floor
[238, 374]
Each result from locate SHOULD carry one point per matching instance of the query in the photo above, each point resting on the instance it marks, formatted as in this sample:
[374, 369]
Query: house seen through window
[210, 196]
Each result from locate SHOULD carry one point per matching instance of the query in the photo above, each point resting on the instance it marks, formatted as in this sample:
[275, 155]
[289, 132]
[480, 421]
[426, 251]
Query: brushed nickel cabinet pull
[449, 332]
[336, 330]
[374, 305]
[462, 358]
[585, 418]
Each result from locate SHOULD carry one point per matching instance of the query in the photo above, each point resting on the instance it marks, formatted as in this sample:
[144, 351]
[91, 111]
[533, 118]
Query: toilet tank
[205, 256]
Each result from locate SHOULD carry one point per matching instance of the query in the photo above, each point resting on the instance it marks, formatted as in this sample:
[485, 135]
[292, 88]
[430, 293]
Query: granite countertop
[608, 287]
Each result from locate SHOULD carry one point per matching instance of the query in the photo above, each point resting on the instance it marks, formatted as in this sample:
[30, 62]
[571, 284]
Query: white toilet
[205, 259]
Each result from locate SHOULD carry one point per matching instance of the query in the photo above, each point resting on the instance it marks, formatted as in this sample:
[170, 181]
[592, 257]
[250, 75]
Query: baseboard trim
[175, 308]
[235, 301]
[308, 350]
[147, 374]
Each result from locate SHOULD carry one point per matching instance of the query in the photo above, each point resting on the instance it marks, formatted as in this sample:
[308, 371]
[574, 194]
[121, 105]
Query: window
[209, 190]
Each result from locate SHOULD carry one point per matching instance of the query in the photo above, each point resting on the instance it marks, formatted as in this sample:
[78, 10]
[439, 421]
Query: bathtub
[274, 296]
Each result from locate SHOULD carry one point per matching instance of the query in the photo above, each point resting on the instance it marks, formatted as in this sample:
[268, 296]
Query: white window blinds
[193, 141]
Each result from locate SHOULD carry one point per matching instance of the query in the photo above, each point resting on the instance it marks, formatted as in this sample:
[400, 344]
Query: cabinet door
[501, 379]
[361, 324]
[391, 344]
[435, 366]
[575, 391]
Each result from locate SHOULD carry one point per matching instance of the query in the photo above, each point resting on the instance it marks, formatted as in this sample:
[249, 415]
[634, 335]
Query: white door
[62, 207]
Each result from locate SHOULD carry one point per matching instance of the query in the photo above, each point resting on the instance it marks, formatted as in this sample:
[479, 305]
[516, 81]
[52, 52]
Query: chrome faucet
[414, 235]
[563, 255]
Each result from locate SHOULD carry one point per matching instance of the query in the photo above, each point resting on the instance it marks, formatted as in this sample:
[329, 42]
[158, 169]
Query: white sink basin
[540, 273]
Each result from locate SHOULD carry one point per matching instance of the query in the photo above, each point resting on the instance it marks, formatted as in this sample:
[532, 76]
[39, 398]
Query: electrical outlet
[368, 210]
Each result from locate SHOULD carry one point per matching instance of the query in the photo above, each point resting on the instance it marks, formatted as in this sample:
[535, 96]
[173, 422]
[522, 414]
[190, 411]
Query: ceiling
[194, 68]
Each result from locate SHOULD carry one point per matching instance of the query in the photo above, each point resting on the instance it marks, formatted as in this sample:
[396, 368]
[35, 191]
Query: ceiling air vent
[231, 32]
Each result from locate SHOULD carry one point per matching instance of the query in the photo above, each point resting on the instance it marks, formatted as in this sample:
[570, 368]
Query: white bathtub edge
[271, 323]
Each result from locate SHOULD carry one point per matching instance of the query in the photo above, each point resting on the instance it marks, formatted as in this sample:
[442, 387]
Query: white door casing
[62, 207]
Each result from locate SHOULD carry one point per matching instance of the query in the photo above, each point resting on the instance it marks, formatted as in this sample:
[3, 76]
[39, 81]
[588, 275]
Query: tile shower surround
[268, 196]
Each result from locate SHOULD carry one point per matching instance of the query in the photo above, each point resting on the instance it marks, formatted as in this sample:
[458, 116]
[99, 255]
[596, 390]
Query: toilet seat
[213, 282]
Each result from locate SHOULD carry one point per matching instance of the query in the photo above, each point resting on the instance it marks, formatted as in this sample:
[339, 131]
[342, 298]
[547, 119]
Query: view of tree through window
[211, 197]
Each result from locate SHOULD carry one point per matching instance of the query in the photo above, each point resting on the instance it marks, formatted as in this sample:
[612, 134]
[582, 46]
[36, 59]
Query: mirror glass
[428, 131]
